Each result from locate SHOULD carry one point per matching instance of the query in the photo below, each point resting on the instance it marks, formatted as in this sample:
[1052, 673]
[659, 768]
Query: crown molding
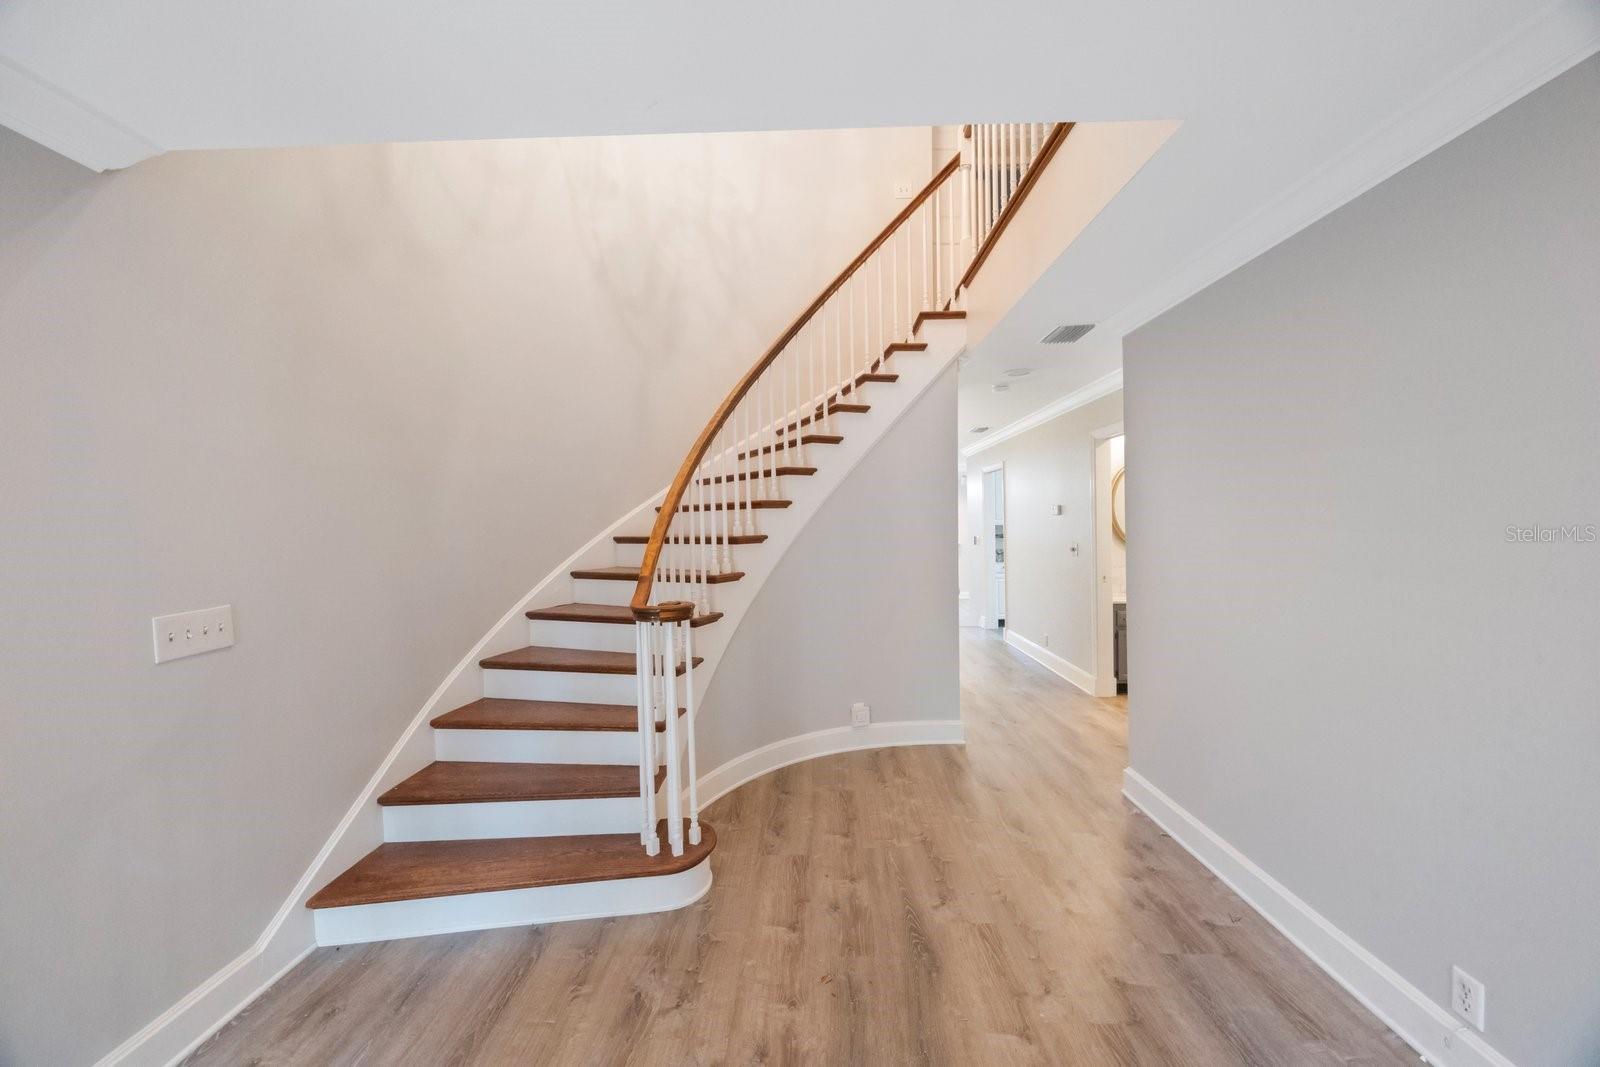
[1546, 44]
[45, 113]
[1087, 394]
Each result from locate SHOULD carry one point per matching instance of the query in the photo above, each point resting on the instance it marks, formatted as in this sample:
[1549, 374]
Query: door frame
[993, 613]
[1102, 642]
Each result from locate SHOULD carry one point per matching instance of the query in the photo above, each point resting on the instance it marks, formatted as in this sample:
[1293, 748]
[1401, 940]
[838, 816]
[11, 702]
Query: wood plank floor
[998, 904]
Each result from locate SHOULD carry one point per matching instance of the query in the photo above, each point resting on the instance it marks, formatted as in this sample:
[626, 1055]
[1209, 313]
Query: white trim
[62, 123]
[1102, 635]
[1541, 47]
[238, 984]
[768, 758]
[1086, 394]
[479, 820]
[1426, 1026]
[1065, 669]
[1545, 45]
[180, 1029]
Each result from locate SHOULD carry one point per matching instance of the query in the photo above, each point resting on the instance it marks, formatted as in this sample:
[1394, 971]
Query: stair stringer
[918, 371]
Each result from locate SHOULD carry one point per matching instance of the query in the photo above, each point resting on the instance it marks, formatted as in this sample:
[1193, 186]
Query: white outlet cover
[860, 715]
[1467, 997]
[190, 633]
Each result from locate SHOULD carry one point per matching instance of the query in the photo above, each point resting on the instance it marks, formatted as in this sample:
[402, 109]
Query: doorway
[1110, 562]
[994, 546]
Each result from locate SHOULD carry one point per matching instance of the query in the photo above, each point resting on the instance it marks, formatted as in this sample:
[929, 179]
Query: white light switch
[192, 632]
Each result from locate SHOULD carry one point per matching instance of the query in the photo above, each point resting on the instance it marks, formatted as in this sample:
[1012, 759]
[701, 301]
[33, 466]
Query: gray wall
[1345, 669]
[1049, 591]
[369, 396]
[854, 612]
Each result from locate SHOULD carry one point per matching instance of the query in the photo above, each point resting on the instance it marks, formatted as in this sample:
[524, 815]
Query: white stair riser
[511, 907]
[511, 818]
[601, 591]
[629, 555]
[605, 637]
[537, 746]
[562, 685]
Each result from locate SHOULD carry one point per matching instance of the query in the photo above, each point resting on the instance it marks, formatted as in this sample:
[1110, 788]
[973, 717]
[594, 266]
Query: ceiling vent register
[1065, 335]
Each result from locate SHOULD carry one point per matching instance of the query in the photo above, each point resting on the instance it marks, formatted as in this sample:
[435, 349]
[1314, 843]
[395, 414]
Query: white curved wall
[862, 607]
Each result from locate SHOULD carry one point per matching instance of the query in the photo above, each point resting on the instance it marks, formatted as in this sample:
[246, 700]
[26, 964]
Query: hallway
[995, 904]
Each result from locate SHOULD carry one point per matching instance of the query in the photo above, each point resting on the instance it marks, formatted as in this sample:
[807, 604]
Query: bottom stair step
[412, 869]
[417, 888]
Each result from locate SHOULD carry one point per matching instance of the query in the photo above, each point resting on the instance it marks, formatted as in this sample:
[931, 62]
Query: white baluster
[688, 725]
[894, 288]
[669, 677]
[647, 770]
[727, 465]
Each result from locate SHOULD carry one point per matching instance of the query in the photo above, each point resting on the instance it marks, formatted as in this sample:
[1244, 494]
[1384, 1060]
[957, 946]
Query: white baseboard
[1439, 1037]
[181, 1029]
[1066, 669]
[741, 769]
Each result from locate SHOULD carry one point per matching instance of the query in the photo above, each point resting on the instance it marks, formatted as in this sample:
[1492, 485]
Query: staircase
[569, 789]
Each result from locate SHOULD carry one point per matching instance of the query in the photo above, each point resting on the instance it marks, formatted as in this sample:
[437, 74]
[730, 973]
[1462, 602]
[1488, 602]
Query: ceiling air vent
[1065, 335]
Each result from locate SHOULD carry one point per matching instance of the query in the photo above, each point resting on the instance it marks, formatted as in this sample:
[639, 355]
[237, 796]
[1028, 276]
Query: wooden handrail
[1058, 135]
[642, 608]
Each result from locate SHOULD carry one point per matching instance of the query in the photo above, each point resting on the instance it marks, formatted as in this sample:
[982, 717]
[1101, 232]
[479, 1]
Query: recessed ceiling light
[1000, 387]
[1019, 372]
[979, 429]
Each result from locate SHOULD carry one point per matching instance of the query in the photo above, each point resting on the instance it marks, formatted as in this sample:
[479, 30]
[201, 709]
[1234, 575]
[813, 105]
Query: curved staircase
[551, 795]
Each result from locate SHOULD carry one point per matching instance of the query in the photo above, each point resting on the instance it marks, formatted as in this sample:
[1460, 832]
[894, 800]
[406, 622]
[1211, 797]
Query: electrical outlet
[902, 190]
[860, 715]
[190, 633]
[1467, 997]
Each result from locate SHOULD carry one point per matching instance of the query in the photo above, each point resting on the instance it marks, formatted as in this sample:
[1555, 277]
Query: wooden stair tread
[835, 407]
[615, 614]
[504, 713]
[905, 346]
[805, 439]
[870, 376]
[466, 782]
[923, 316]
[413, 870]
[568, 660]
[780, 471]
[736, 505]
[631, 574]
[713, 539]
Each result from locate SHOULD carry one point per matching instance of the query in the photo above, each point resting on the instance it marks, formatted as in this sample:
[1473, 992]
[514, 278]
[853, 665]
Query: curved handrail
[642, 608]
[1058, 135]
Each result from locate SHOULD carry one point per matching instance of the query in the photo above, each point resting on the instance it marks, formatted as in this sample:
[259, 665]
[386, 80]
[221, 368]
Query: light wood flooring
[998, 904]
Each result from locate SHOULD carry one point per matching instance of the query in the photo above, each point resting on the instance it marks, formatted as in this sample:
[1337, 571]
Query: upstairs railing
[918, 264]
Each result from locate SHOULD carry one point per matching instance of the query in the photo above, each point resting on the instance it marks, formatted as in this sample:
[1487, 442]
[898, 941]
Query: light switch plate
[190, 633]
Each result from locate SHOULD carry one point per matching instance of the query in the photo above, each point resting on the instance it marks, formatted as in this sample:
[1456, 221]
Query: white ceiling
[1288, 109]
